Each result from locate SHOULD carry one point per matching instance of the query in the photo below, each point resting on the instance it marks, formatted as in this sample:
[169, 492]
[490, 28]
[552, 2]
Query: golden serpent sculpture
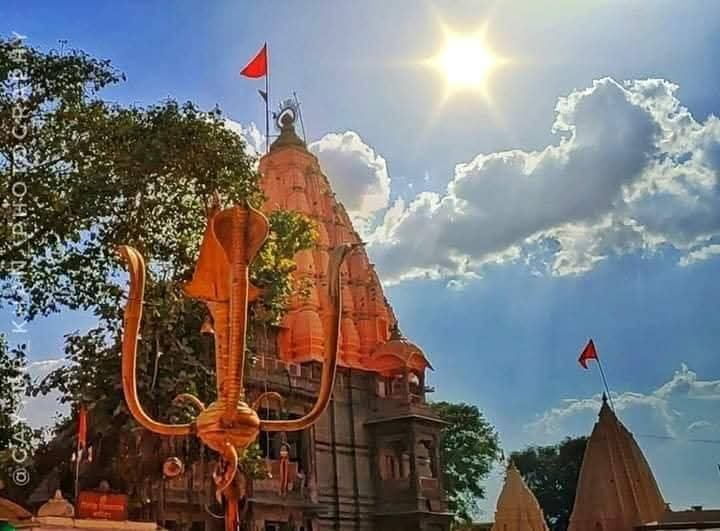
[232, 239]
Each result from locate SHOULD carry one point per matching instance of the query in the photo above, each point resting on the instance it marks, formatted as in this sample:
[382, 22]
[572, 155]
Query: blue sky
[499, 263]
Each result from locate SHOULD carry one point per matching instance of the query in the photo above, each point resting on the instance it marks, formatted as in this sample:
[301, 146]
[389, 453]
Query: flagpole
[267, 100]
[78, 457]
[607, 389]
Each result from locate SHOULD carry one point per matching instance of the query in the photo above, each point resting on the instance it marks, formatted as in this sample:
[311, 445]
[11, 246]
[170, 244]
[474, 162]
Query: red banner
[102, 505]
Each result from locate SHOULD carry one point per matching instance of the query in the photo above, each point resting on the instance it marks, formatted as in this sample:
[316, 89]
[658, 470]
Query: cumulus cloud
[632, 171]
[673, 406]
[359, 176]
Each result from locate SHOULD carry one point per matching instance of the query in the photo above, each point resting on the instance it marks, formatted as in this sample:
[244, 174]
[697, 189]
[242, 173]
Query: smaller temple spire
[517, 508]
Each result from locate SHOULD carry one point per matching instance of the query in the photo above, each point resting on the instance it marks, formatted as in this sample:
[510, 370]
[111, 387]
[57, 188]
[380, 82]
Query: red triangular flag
[82, 427]
[258, 66]
[588, 353]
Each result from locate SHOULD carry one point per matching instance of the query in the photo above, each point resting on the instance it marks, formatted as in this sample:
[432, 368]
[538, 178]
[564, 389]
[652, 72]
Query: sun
[466, 61]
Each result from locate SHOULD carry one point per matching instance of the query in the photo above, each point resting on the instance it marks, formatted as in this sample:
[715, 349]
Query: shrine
[362, 454]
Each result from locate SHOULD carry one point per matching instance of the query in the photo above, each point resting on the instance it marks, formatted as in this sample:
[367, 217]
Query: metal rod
[607, 389]
[302, 123]
[267, 99]
[78, 457]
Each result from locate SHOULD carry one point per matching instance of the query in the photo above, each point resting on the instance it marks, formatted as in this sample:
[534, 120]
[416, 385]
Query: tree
[16, 437]
[469, 448]
[13, 382]
[84, 176]
[552, 473]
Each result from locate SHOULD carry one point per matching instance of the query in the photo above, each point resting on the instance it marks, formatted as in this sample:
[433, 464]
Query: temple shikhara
[372, 460]
[616, 488]
[517, 507]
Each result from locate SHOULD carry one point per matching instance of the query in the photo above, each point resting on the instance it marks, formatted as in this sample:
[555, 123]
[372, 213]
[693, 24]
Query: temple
[372, 461]
[517, 508]
[616, 488]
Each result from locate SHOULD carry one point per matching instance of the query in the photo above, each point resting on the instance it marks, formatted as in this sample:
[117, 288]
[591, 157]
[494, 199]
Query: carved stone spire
[292, 179]
[616, 489]
[517, 508]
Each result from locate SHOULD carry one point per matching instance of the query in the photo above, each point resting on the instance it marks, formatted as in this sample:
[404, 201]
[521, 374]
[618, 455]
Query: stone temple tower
[372, 461]
[616, 489]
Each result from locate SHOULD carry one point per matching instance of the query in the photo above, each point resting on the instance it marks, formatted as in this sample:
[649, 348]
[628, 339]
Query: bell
[173, 467]
[207, 327]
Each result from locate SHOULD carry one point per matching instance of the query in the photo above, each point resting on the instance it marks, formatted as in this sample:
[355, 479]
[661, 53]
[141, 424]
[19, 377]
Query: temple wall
[342, 456]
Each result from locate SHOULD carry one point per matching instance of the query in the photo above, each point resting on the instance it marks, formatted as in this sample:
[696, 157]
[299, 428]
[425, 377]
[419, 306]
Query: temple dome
[350, 340]
[303, 337]
[517, 508]
[616, 488]
[398, 353]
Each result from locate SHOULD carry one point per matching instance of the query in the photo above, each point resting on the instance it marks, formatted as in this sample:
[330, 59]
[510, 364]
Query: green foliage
[253, 464]
[291, 232]
[17, 440]
[552, 473]
[13, 382]
[470, 446]
[96, 175]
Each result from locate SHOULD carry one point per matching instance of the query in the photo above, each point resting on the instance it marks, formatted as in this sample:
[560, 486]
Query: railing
[297, 483]
[283, 376]
[390, 406]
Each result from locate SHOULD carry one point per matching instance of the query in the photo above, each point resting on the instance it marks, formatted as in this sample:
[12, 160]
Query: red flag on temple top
[588, 353]
[258, 66]
[82, 427]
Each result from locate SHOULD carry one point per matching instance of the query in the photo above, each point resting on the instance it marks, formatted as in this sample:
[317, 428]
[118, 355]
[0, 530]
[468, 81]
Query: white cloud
[685, 382]
[254, 139]
[699, 255]
[672, 407]
[358, 174]
[699, 425]
[632, 171]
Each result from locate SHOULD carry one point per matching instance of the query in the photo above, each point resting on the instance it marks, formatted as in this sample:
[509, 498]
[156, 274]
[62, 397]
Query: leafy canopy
[13, 381]
[94, 175]
[470, 446]
[552, 473]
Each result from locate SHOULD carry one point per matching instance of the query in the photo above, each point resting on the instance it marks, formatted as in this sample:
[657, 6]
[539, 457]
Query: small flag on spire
[258, 67]
[588, 353]
[263, 95]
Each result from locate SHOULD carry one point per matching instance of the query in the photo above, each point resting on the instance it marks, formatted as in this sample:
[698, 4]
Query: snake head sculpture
[232, 239]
